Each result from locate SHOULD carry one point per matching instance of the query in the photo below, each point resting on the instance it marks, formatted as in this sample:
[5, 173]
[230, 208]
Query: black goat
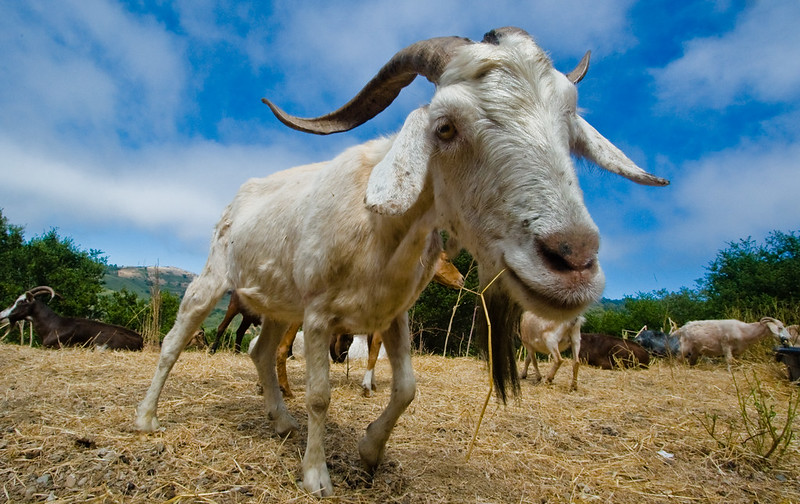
[57, 331]
[658, 343]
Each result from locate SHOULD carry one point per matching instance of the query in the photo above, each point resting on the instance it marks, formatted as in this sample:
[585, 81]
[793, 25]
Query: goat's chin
[552, 297]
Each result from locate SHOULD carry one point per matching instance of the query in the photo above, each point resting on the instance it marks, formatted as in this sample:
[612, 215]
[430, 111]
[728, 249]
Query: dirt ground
[633, 436]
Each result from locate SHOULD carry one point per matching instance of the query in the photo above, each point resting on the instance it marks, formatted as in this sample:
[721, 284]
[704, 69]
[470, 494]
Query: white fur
[346, 246]
[550, 337]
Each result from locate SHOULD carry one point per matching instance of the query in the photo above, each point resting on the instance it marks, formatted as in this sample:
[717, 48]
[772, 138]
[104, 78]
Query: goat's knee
[318, 402]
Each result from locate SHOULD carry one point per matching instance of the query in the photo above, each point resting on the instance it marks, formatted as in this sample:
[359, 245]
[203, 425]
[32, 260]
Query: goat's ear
[590, 144]
[396, 182]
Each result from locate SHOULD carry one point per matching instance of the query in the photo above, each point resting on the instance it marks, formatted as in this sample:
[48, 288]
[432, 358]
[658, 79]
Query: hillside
[137, 279]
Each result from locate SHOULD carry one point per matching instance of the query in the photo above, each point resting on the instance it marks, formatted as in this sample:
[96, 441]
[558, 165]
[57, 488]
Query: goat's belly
[360, 311]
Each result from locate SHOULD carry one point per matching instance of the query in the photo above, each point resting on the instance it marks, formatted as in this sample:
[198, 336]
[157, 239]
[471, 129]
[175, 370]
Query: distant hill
[137, 279]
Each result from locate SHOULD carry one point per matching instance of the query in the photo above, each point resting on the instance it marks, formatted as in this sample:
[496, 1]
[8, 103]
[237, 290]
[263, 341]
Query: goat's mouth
[553, 303]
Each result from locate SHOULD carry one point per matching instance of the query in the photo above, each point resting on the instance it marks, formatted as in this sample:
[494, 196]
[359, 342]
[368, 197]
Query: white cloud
[177, 189]
[756, 60]
[343, 46]
[663, 237]
[87, 66]
[746, 191]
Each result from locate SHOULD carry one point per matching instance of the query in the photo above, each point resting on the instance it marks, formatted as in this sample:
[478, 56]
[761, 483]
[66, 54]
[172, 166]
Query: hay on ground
[67, 435]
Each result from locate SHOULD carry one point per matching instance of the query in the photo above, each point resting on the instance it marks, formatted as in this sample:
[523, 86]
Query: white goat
[550, 337]
[346, 246]
[728, 337]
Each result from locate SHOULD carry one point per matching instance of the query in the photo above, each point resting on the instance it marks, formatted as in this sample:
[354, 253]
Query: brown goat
[609, 352]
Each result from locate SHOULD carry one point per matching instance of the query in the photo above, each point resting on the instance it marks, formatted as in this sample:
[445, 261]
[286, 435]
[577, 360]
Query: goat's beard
[504, 315]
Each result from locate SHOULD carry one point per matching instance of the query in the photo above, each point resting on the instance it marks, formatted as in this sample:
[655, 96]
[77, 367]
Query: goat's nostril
[569, 251]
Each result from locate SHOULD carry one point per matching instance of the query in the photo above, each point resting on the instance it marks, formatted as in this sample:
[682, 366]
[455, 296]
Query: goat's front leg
[316, 479]
[728, 356]
[264, 357]
[530, 358]
[557, 360]
[201, 296]
[398, 348]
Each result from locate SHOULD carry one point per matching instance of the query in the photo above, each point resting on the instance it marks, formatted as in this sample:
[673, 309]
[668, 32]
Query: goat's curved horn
[41, 290]
[427, 57]
[579, 72]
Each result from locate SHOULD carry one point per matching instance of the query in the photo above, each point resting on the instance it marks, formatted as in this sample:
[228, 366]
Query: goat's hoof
[317, 481]
[371, 455]
[286, 425]
[146, 423]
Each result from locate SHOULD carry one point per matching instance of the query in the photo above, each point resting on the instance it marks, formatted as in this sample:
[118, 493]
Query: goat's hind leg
[398, 348]
[200, 298]
[264, 358]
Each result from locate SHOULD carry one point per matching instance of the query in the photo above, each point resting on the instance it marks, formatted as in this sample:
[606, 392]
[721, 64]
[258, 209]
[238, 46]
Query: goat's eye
[445, 130]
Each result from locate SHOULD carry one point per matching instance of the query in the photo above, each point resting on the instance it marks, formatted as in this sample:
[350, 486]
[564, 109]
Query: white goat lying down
[728, 337]
[550, 337]
[346, 246]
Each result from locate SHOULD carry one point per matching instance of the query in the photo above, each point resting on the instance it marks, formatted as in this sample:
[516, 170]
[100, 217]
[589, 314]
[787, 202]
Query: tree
[49, 260]
[123, 308]
[752, 276]
[12, 275]
[75, 274]
[430, 316]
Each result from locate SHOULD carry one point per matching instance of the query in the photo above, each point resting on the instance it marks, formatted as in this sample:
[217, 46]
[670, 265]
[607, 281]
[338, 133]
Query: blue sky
[129, 126]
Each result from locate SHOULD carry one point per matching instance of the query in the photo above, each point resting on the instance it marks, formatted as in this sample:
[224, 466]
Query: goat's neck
[756, 332]
[44, 319]
[415, 237]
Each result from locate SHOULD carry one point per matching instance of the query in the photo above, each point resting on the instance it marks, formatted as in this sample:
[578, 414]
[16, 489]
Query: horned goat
[57, 331]
[346, 246]
[728, 337]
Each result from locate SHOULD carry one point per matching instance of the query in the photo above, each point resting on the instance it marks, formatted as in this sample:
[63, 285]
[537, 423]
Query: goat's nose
[568, 251]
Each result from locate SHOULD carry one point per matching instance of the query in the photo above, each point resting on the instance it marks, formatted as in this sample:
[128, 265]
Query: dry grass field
[66, 435]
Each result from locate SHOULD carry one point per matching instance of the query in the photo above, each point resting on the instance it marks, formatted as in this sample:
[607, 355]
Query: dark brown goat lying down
[610, 352]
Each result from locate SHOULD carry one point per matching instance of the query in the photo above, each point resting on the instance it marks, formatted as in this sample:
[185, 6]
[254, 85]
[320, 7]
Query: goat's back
[332, 255]
[85, 332]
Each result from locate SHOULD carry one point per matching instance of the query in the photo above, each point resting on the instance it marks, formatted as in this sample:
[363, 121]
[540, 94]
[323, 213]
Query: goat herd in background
[346, 246]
